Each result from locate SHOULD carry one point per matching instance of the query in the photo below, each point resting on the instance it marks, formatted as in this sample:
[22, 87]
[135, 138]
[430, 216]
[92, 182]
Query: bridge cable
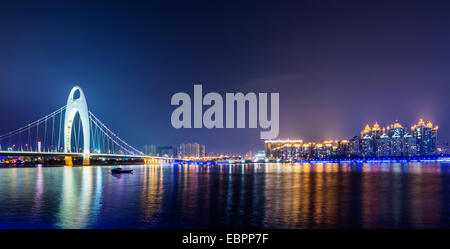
[110, 140]
[53, 131]
[113, 134]
[59, 131]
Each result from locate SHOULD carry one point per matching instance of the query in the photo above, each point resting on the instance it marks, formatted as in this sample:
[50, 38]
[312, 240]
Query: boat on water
[120, 170]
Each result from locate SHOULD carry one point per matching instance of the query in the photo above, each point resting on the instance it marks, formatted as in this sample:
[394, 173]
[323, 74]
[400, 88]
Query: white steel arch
[73, 107]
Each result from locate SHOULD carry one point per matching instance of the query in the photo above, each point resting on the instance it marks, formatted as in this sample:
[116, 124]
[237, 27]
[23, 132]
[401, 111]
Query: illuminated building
[249, 154]
[355, 145]
[369, 140]
[396, 145]
[410, 148]
[150, 150]
[202, 150]
[366, 131]
[426, 136]
[383, 146]
[396, 128]
[327, 149]
[307, 149]
[344, 148]
[376, 131]
[260, 155]
[389, 141]
[191, 150]
[320, 150]
[283, 149]
[443, 150]
[166, 151]
[367, 147]
[334, 150]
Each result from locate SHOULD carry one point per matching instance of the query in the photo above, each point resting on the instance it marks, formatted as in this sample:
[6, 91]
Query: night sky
[337, 65]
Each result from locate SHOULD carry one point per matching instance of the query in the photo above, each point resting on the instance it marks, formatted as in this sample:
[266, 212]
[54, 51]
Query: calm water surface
[410, 195]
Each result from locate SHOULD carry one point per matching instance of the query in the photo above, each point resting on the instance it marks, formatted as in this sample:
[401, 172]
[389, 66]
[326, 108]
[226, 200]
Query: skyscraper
[367, 146]
[383, 146]
[355, 146]
[396, 145]
[410, 148]
[375, 133]
[396, 128]
[150, 150]
[202, 150]
[283, 149]
[166, 151]
[192, 150]
[426, 136]
[344, 148]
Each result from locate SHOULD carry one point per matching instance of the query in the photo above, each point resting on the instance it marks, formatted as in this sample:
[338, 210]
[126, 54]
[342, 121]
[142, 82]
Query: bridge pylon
[69, 161]
[73, 107]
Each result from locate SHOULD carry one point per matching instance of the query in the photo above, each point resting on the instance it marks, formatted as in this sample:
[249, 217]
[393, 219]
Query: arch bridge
[71, 131]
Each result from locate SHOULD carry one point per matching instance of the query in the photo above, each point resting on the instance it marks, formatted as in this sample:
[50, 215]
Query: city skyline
[391, 130]
[393, 140]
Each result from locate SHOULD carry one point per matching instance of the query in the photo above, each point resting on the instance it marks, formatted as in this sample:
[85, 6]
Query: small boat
[120, 170]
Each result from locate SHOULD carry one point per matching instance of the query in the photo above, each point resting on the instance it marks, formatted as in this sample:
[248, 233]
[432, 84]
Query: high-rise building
[410, 148]
[443, 149]
[329, 149]
[192, 150]
[426, 136]
[202, 150]
[396, 128]
[166, 151]
[249, 154]
[375, 133]
[319, 151]
[261, 154]
[366, 131]
[383, 146]
[396, 145]
[344, 148]
[367, 147]
[306, 150]
[150, 150]
[355, 146]
[283, 149]
[389, 141]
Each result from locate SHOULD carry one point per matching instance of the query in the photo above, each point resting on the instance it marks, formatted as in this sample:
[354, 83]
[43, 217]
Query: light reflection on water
[397, 195]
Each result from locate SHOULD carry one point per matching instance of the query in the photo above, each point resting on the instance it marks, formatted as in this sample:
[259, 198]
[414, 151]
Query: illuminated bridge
[72, 131]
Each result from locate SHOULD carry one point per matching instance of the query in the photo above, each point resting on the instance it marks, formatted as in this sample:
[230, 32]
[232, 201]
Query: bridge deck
[42, 154]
